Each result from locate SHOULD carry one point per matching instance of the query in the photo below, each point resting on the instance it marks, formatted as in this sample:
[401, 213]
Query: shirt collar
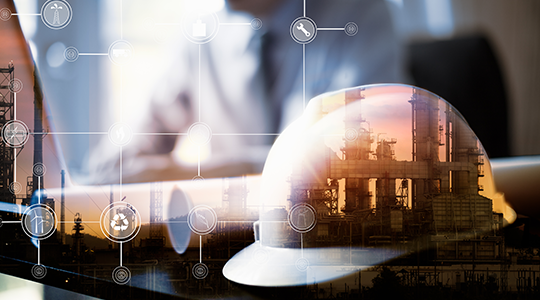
[280, 21]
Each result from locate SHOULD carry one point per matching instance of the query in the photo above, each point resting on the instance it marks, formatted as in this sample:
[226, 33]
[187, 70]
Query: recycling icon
[119, 222]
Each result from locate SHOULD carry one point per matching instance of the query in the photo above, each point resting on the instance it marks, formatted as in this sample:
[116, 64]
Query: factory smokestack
[38, 130]
[62, 208]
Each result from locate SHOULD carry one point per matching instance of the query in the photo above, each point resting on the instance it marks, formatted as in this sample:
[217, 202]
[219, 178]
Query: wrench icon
[301, 27]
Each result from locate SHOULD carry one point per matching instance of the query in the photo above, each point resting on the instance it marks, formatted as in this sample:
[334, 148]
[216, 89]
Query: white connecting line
[235, 24]
[93, 54]
[157, 133]
[14, 149]
[330, 29]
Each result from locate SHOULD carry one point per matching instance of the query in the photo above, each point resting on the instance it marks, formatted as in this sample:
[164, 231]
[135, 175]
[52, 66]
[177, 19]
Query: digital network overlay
[120, 222]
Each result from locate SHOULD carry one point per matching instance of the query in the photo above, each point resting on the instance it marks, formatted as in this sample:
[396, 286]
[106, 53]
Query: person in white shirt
[252, 84]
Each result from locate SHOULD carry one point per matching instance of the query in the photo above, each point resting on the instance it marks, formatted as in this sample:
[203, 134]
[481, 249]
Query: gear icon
[119, 222]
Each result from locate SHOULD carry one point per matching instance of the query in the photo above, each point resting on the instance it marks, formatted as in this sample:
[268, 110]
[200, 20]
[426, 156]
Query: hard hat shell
[365, 175]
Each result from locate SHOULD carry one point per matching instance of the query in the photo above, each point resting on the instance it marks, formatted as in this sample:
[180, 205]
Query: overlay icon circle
[56, 14]
[39, 271]
[351, 29]
[15, 133]
[302, 217]
[5, 14]
[302, 264]
[120, 134]
[121, 275]
[202, 219]
[351, 134]
[15, 187]
[39, 221]
[121, 52]
[71, 54]
[15, 85]
[259, 256]
[256, 24]
[303, 30]
[200, 133]
[198, 179]
[39, 170]
[200, 271]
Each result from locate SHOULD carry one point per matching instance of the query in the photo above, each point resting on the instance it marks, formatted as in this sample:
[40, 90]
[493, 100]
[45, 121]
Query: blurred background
[482, 56]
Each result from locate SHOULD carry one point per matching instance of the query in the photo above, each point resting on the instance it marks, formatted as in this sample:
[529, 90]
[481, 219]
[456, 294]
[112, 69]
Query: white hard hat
[366, 175]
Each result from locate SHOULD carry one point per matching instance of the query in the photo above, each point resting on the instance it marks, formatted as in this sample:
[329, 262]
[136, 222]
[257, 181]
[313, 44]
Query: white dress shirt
[232, 94]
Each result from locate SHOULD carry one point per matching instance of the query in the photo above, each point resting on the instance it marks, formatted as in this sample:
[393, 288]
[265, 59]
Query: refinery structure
[428, 212]
[428, 202]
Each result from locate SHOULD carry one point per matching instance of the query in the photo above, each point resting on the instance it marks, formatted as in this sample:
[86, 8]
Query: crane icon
[202, 219]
